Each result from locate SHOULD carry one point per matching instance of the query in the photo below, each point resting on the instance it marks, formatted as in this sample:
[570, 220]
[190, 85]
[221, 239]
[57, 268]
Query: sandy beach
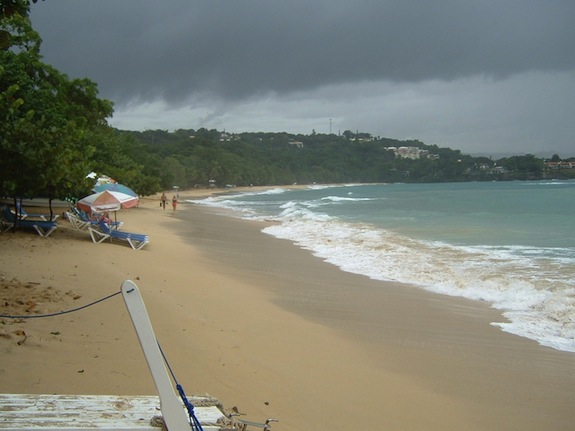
[267, 327]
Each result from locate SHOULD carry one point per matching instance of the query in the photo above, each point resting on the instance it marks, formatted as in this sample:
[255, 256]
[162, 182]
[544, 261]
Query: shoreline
[406, 330]
[265, 326]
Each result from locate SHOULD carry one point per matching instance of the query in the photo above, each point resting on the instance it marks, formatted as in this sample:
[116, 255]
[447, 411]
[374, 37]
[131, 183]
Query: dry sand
[266, 327]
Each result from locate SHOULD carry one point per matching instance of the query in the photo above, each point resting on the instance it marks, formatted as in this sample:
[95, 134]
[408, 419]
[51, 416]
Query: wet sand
[271, 329]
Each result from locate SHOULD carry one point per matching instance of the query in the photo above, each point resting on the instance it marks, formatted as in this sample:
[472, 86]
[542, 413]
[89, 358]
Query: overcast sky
[482, 76]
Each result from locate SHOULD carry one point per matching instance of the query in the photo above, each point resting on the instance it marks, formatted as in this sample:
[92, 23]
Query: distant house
[225, 137]
[412, 153]
[560, 165]
[500, 170]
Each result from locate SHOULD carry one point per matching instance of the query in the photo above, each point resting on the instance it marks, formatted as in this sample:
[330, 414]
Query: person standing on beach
[174, 202]
[164, 201]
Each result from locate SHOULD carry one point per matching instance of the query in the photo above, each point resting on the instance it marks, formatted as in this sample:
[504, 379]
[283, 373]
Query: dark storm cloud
[495, 75]
[144, 49]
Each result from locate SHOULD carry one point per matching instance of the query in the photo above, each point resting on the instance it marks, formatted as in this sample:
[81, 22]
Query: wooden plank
[77, 412]
[41, 412]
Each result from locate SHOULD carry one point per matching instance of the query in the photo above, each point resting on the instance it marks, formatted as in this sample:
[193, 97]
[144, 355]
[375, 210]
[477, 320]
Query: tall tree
[48, 123]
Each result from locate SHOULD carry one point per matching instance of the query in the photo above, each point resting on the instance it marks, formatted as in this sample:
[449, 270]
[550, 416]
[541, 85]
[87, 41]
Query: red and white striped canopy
[107, 201]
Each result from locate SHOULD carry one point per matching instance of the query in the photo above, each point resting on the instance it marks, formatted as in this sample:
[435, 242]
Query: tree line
[194, 158]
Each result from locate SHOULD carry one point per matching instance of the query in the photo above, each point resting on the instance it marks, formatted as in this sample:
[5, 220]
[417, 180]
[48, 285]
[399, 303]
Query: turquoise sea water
[511, 244]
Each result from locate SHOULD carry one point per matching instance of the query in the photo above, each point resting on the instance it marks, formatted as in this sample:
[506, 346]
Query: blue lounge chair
[76, 221]
[80, 220]
[104, 231]
[24, 215]
[42, 227]
[83, 215]
[4, 222]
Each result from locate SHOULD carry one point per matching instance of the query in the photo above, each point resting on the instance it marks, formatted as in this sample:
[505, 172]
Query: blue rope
[194, 422]
[38, 316]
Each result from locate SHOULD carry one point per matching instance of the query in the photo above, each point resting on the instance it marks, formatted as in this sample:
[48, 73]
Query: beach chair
[5, 224]
[76, 222]
[86, 217]
[80, 220]
[42, 227]
[24, 215]
[104, 231]
[82, 215]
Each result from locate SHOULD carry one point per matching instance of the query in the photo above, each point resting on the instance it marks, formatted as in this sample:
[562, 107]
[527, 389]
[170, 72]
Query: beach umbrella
[107, 201]
[114, 187]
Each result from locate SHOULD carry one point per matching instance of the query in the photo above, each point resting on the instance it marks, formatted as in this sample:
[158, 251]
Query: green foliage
[190, 158]
[44, 117]
[53, 130]
[523, 167]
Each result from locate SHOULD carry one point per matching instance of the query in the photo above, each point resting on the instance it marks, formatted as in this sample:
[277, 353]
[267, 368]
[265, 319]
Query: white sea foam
[553, 183]
[344, 199]
[534, 309]
[217, 202]
[322, 186]
[276, 191]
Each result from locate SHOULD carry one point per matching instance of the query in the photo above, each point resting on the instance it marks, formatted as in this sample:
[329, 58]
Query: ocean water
[511, 244]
